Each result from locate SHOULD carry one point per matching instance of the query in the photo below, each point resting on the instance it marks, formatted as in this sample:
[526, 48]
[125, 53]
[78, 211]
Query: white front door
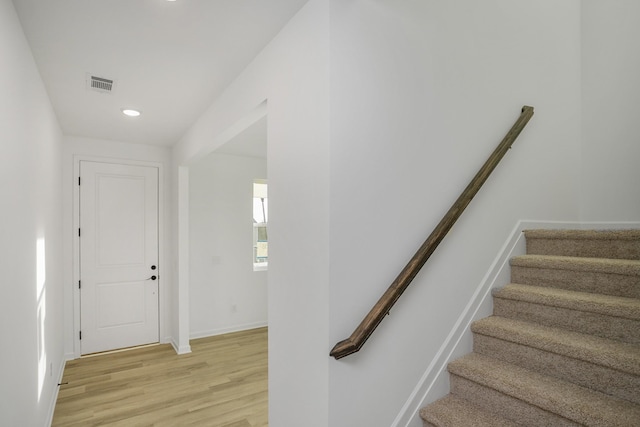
[119, 271]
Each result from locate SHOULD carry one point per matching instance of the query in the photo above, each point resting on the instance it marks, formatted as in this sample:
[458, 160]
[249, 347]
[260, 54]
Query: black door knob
[153, 267]
[153, 277]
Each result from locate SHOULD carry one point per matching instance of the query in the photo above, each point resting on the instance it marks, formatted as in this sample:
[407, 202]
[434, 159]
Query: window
[260, 219]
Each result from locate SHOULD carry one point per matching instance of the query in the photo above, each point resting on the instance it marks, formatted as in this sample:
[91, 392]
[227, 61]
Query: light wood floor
[223, 382]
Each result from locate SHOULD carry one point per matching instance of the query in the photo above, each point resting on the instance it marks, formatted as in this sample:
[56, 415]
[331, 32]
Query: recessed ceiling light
[131, 113]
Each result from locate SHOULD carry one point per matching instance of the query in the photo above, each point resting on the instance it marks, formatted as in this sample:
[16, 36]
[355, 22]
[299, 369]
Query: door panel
[120, 216]
[130, 299]
[118, 247]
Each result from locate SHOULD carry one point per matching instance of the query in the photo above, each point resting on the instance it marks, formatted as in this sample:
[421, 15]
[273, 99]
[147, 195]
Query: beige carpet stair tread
[562, 234]
[600, 351]
[573, 402]
[452, 411]
[625, 234]
[595, 265]
[619, 244]
[628, 308]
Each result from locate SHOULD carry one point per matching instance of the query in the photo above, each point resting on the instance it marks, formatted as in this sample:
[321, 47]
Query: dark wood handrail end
[344, 348]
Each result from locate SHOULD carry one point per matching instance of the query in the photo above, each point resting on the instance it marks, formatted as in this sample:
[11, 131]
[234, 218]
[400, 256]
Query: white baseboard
[434, 383]
[185, 349]
[228, 330]
[54, 398]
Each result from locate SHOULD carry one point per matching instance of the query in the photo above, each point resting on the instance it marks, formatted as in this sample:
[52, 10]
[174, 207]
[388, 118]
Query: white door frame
[162, 285]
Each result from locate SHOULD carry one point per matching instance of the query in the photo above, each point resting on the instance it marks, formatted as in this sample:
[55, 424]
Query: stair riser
[600, 325]
[453, 411]
[602, 283]
[600, 378]
[612, 249]
[504, 405]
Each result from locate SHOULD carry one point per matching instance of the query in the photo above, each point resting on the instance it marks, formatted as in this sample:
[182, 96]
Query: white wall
[75, 148]
[421, 93]
[292, 75]
[225, 294]
[32, 359]
[610, 94]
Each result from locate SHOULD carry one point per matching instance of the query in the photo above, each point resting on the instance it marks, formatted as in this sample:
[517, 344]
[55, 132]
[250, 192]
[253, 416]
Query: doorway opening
[226, 293]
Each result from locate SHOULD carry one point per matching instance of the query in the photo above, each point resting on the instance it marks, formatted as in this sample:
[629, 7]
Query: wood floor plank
[222, 383]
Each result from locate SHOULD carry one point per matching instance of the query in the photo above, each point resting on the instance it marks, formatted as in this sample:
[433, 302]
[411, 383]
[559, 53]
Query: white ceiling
[168, 59]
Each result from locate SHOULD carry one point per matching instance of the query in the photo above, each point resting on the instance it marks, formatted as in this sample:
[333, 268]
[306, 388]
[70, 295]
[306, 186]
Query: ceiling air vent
[100, 84]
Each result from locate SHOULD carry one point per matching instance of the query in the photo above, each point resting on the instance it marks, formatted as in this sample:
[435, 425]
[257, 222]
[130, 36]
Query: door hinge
[78, 232]
[80, 334]
[78, 180]
[79, 284]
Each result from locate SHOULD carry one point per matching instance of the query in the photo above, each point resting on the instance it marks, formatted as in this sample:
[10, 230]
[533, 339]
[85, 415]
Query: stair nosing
[617, 355]
[487, 418]
[623, 267]
[609, 305]
[525, 385]
[573, 234]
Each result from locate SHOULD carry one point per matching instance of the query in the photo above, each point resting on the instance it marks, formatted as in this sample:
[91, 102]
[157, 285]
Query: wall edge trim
[54, 397]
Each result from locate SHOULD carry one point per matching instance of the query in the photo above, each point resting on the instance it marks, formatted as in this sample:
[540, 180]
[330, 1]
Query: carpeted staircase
[563, 345]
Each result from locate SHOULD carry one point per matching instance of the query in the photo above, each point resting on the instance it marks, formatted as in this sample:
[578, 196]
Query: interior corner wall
[291, 74]
[421, 94]
[31, 360]
[225, 294]
[610, 94]
[90, 148]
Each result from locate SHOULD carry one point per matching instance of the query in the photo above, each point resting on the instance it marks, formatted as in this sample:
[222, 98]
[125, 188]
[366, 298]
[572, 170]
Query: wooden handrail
[400, 284]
